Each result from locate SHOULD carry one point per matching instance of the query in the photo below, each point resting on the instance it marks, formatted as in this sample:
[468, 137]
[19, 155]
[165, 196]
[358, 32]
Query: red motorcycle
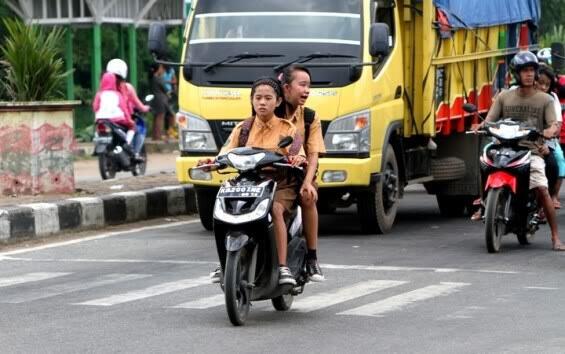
[510, 205]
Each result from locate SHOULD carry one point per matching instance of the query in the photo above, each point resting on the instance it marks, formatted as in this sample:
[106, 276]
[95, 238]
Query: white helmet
[118, 67]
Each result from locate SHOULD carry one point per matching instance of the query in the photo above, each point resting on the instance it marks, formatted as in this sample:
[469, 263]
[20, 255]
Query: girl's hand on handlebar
[297, 160]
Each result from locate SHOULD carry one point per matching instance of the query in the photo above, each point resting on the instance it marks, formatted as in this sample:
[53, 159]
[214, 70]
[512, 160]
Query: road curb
[42, 219]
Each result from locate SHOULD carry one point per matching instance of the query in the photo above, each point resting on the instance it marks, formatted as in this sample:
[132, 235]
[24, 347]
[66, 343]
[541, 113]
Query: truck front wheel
[205, 198]
[377, 207]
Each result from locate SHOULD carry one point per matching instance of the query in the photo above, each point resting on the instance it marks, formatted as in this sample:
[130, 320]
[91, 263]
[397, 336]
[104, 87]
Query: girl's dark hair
[286, 76]
[269, 81]
[547, 71]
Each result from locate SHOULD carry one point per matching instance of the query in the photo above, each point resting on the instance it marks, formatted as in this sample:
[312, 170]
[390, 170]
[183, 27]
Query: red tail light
[103, 129]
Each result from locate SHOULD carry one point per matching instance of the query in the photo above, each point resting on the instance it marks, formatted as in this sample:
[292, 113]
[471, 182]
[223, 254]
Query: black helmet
[522, 60]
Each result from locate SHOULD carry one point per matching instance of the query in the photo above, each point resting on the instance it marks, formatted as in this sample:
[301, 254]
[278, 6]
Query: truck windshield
[288, 28]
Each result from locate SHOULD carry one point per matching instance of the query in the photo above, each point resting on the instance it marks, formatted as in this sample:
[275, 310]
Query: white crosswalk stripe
[155, 290]
[29, 277]
[203, 303]
[398, 302]
[78, 285]
[320, 301]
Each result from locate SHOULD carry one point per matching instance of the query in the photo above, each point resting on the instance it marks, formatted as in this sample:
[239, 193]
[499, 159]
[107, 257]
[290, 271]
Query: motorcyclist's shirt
[535, 111]
[264, 135]
[315, 143]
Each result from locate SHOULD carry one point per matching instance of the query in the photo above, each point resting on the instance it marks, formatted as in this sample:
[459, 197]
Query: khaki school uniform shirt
[266, 136]
[315, 143]
[535, 111]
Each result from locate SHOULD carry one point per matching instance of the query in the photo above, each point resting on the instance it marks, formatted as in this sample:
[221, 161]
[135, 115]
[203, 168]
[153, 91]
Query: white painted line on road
[60, 289]
[395, 303]
[204, 303]
[409, 269]
[29, 277]
[540, 288]
[94, 260]
[321, 301]
[97, 237]
[155, 290]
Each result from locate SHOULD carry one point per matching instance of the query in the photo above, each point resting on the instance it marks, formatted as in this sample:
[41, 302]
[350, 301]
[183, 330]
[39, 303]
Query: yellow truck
[389, 80]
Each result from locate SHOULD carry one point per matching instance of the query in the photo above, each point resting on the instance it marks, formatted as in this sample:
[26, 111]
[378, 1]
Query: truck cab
[388, 82]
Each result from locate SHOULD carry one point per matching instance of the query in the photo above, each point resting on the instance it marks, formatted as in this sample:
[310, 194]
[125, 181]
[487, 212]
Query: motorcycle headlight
[195, 134]
[351, 133]
[245, 162]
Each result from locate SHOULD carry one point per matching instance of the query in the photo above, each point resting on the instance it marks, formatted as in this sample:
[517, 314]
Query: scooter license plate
[102, 140]
[241, 192]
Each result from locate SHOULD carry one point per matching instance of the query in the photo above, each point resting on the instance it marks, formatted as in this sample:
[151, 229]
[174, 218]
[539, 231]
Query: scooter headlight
[245, 162]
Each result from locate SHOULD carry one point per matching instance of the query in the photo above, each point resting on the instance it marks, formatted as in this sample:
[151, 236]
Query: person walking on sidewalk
[160, 104]
[296, 81]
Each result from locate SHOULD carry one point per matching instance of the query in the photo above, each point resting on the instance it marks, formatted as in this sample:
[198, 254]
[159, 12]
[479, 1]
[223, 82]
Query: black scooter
[244, 233]
[114, 155]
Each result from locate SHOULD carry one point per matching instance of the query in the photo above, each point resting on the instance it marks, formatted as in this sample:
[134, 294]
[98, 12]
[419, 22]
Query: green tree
[34, 70]
[552, 15]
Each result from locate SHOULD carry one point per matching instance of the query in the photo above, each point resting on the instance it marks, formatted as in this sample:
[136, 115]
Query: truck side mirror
[157, 39]
[470, 108]
[378, 39]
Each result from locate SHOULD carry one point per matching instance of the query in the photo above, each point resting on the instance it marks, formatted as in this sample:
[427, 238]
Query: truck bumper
[332, 172]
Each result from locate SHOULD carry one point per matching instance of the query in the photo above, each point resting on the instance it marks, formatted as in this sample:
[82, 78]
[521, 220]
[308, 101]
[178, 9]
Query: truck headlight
[351, 133]
[195, 134]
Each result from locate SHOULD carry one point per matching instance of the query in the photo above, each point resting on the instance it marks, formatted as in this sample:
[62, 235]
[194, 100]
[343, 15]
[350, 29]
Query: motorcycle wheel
[283, 302]
[494, 218]
[236, 292]
[525, 238]
[106, 166]
[139, 168]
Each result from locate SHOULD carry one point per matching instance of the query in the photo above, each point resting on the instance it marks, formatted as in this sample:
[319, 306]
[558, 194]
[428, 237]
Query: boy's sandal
[558, 247]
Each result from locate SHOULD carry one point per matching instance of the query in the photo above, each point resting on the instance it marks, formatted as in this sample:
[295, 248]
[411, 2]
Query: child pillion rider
[264, 130]
[296, 80]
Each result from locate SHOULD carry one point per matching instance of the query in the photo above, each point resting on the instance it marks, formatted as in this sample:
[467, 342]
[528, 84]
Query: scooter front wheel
[237, 293]
[283, 302]
[495, 224]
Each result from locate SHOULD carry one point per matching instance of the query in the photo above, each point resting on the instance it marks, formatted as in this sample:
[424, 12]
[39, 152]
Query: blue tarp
[484, 13]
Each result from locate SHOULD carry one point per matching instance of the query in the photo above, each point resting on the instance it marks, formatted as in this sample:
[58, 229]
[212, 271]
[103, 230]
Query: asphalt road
[428, 287]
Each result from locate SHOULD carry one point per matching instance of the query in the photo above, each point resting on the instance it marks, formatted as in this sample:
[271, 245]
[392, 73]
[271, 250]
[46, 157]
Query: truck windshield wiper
[305, 58]
[238, 57]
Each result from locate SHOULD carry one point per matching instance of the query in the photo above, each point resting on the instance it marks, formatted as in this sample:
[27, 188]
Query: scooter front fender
[500, 179]
[236, 241]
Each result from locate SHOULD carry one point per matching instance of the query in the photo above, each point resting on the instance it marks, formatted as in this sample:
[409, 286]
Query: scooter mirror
[286, 141]
[469, 108]
[149, 98]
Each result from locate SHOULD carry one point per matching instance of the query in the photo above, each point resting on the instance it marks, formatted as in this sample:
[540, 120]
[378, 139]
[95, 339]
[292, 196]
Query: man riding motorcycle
[528, 105]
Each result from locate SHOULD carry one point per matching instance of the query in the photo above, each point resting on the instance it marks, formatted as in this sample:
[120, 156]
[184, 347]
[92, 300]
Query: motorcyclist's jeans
[138, 141]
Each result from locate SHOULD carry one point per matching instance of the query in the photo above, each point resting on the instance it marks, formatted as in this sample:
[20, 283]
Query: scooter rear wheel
[495, 226]
[237, 294]
[106, 166]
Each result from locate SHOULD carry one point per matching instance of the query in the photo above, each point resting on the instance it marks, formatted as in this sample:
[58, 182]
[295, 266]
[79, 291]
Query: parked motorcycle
[510, 207]
[114, 154]
[244, 232]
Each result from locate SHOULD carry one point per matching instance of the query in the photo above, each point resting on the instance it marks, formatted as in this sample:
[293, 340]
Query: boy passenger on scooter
[296, 81]
[536, 109]
[264, 130]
